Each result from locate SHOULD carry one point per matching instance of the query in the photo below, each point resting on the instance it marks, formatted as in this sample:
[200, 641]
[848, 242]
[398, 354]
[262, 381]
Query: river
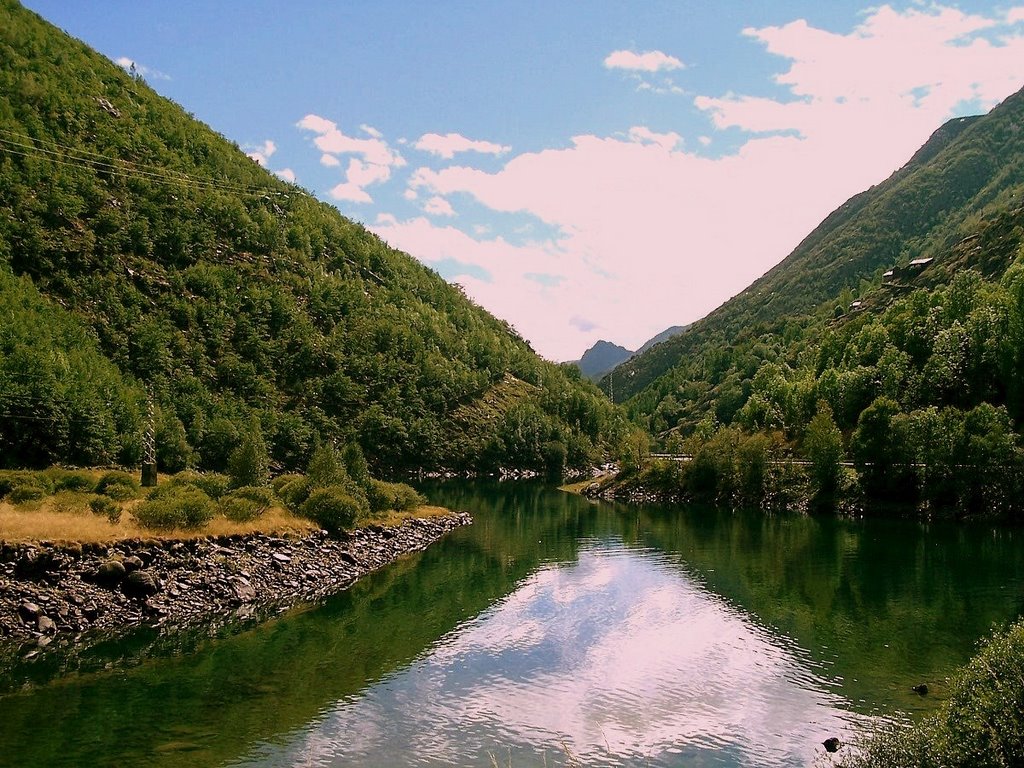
[553, 631]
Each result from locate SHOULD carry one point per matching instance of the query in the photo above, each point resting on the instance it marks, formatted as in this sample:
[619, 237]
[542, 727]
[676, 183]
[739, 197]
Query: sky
[584, 170]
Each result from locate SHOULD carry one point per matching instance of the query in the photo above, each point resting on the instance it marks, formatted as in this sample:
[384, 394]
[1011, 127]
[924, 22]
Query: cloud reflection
[620, 657]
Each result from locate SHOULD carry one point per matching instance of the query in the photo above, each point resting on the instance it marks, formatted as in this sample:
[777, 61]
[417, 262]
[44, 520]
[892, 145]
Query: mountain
[955, 202]
[171, 264]
[665, 335]
[601, 358]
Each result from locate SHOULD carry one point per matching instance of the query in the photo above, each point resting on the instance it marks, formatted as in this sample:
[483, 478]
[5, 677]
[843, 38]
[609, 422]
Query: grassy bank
[94, 505]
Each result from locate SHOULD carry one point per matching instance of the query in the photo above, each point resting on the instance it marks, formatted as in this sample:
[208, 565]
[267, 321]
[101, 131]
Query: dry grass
[392, 518]
[66, 517]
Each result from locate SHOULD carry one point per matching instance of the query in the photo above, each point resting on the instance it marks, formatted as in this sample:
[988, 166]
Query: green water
[552, 627]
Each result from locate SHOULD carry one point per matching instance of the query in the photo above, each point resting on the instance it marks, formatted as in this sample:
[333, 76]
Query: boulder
[110, 573]
[140, 584]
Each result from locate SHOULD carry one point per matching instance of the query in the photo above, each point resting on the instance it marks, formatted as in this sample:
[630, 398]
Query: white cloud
[261, 153]
[1015, 15]
[649, 61]
[649, 234]
[373, 162]
[333, 141]
[643, 135]
[386, 220]
[448, 145]
[363, 174]
[287, 174]
[438, 206]
[127, 64]
[350, 193]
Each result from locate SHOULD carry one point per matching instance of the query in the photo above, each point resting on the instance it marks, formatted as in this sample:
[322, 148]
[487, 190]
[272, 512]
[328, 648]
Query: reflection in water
[617, 658]
[632, 636]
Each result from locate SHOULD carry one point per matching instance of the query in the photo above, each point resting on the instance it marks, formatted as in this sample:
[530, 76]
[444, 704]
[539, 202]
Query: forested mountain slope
[140, 250]
[968, 176]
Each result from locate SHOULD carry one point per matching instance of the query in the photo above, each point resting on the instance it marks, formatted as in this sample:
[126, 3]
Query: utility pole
[149, 444]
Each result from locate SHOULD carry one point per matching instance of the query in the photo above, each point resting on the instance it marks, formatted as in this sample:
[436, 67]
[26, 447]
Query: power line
[78, 158]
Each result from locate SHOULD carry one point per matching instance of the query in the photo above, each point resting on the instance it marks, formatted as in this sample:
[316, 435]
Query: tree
[250, 463]
[823, 447]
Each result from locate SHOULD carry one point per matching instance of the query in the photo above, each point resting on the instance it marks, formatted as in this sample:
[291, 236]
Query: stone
[921, 689]
[110, 573]
[132, 563]
[140, 584]
[29, 612]
[281, 557]
[832, 744]
[46, 625]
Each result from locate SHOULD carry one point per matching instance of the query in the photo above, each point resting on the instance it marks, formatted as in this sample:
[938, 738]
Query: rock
[132, 563]
[281, 557]
[32, 564]
[921, 689]
[29, 612]
[46, 625]
[140, 584]
[110, 573]
[832, 744]
[244, 593]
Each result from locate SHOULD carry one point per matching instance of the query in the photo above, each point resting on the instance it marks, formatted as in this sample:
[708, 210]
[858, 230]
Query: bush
[25, 492]
[213, 484]
[982, 723]
[183, 506]
[105, 506]
[332, 508]
[397, 496]
[118, 485]
[246, 503]
[68, 480]
[295, 492]
[281, 481]
[12, 478]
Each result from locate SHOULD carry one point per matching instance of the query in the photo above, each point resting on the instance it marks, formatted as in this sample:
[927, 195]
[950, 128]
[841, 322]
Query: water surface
[554, 629]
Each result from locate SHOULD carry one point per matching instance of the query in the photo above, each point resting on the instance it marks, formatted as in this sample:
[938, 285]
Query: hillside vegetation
[141, 251]
[915, 376]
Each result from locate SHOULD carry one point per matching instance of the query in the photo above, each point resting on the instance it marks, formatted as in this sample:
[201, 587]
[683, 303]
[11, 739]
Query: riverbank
[56, 595]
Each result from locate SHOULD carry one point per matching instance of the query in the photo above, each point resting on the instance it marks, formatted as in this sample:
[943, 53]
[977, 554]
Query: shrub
[213, 484]
[68, 480]
[397, 496]
[183, 506]
[26, 492]
[12, 478]
[246, 503]
[105, 506]
[281, 481]
[982, 723]
[332, 508]
[295, 492]
[118, 485]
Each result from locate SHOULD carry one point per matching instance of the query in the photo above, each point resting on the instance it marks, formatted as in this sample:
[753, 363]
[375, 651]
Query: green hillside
[915, 376]
[969, 170]
[140, 250]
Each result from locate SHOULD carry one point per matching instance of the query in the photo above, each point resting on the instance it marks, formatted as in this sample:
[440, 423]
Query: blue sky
[584, 169]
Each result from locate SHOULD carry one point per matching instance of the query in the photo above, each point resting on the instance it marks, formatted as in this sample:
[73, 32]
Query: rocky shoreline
[59, 595]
